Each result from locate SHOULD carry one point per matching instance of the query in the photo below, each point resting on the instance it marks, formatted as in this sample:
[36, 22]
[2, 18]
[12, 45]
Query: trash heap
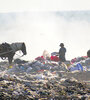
[42, 79]
[80, 64]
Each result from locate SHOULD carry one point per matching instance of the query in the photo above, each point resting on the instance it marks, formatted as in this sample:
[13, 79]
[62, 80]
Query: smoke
[45, 31]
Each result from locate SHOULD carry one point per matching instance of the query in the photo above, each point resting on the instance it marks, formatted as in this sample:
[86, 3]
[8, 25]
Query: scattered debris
[43, 79]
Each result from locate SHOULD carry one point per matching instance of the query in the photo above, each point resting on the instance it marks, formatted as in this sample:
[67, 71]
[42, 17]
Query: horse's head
[23, 49]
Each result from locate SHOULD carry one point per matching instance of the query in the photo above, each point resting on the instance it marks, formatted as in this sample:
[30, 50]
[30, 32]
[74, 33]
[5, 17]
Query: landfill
[45, 79]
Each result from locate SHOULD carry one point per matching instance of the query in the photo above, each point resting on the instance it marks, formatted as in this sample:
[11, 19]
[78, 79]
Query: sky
[43, 5]
[44, 24]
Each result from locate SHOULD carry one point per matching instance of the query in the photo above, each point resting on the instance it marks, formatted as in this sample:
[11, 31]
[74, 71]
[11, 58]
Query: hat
[61, 44]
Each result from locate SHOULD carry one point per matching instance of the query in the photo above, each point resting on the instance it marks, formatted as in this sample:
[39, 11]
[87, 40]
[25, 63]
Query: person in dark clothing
[88, 53]
[62, 52]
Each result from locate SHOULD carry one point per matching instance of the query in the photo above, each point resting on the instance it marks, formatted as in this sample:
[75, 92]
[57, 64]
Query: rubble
[43, 79]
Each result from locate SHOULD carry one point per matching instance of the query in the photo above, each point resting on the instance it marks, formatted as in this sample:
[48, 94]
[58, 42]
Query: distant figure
[88, 53]
[62, 52]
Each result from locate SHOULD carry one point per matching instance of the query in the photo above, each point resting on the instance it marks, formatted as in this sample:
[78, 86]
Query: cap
[61, 44]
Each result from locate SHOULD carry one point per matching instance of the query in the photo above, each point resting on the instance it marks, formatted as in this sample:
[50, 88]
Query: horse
[8, 50]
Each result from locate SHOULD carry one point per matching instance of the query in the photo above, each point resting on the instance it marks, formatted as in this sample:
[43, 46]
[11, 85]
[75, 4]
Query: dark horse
[8, 50]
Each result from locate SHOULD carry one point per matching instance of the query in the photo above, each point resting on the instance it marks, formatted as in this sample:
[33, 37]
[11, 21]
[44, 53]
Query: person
[88, 53]
[62, 52]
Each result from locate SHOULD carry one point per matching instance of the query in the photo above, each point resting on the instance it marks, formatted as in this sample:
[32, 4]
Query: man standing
[88, 53]
[62, 52]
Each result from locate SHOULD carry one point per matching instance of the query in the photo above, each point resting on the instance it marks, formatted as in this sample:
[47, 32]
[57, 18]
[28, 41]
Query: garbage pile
[80, 64]
[43, 79]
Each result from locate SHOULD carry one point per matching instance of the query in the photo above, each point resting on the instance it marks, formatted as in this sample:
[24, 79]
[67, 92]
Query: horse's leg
[10, 58]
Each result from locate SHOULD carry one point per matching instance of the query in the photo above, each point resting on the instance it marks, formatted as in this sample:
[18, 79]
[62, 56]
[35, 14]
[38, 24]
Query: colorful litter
[45, 79]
